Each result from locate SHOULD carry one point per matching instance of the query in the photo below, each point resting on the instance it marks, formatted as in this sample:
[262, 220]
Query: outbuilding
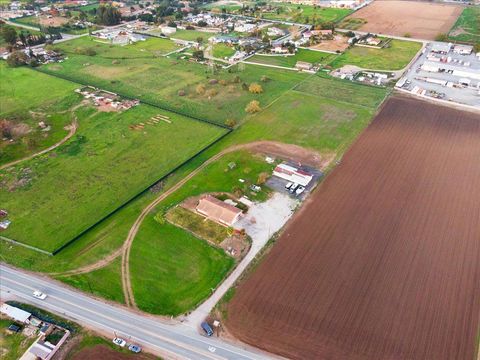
[16, 314]
[292, 174]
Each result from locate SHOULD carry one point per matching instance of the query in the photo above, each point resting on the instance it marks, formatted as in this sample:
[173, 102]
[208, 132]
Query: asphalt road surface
[177, 341]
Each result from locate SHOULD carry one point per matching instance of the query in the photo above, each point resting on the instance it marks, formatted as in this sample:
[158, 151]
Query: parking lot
[279, 184]
[448, 76]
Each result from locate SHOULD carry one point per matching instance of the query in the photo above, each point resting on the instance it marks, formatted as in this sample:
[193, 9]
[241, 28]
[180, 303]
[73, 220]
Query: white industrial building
[459, 71]
[15, 313]
[292, 174]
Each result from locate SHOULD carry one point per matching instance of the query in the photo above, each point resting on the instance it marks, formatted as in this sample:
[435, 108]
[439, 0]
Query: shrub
[264, 78]
[253, 107]
[230, 122]
[213, 82]
[17, 58]
[255, 88]
[407, 35]
[212, 92]
[262, 178]
[181, 92]
[200, 89]
[441, 37]
[237, 79]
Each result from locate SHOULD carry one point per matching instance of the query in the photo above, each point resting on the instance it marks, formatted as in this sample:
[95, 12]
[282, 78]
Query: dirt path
[92, 267]
[72, 130]
[279, 149]
[284, 151]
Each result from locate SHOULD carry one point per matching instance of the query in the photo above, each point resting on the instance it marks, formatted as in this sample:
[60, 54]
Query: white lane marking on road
[181, 345]
[123, 312]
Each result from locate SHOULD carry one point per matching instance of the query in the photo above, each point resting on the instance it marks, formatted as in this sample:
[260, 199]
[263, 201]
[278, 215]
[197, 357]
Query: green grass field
[28, 97]
[467, 26]
[306, 14]
[192, 35]
[103, 165]
[159, 80]
[394, 57]
[173, 270]
[311, 56]
[221, 51]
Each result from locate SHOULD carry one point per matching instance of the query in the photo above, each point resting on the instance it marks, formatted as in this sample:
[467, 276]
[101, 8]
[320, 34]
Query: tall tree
[9, 35]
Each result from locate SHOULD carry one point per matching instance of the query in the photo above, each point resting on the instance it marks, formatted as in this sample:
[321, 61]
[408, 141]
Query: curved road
[172, 341]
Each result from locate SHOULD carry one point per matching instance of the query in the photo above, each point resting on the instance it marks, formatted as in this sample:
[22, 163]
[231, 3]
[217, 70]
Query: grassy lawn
[102, 166]
[173, 270]
[154, 45]
[311, 56]
[192, 35]
[467, 27]
[170, 285]
[197, 224]
[159, 80]
[105, 282]
[307, 14]
[394, 57]
[12, 345]
[221, 51]
[26, 98]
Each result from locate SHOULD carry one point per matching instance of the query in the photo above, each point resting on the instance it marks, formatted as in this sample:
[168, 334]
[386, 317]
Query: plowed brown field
[421, 20]
[384, 261]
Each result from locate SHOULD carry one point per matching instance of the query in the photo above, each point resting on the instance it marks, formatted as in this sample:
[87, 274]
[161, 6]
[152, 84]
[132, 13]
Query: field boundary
[26, 246]
[162, 107]
[120, 207]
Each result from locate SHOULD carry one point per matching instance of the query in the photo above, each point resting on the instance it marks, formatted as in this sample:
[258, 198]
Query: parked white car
[39, 295]
[120, 342]
[299, 190]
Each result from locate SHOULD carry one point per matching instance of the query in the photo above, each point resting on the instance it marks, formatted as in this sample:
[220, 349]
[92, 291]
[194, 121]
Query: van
[208, 330]
[288, 185]
[293, 188]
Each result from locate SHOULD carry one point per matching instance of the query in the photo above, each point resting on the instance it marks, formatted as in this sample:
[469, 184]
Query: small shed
[15, 313]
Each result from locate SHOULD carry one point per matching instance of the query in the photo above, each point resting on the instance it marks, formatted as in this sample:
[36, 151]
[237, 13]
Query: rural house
[218, 211]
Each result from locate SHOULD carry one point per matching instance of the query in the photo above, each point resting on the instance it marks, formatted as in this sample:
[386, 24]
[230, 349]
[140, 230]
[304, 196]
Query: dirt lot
[54, 21]
[383, 262]
[102, 352]
[339, 43]
[420, 19]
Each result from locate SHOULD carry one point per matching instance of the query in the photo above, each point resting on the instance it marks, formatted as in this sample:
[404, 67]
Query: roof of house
[218, 210]
[15, 313]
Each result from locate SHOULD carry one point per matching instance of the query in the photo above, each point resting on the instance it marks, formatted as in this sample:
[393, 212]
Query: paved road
[173, 341]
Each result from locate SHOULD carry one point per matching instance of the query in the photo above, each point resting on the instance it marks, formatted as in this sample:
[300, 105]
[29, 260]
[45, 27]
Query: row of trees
[108, 15]
[11, 36]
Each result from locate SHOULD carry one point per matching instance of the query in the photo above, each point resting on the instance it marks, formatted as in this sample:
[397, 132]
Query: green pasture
[169, 82]
[306, 14]
[395, 56]
[26, 98]
[101, 167]
[311, 56]
[221, 51]
[192, 35]
[467, 26]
